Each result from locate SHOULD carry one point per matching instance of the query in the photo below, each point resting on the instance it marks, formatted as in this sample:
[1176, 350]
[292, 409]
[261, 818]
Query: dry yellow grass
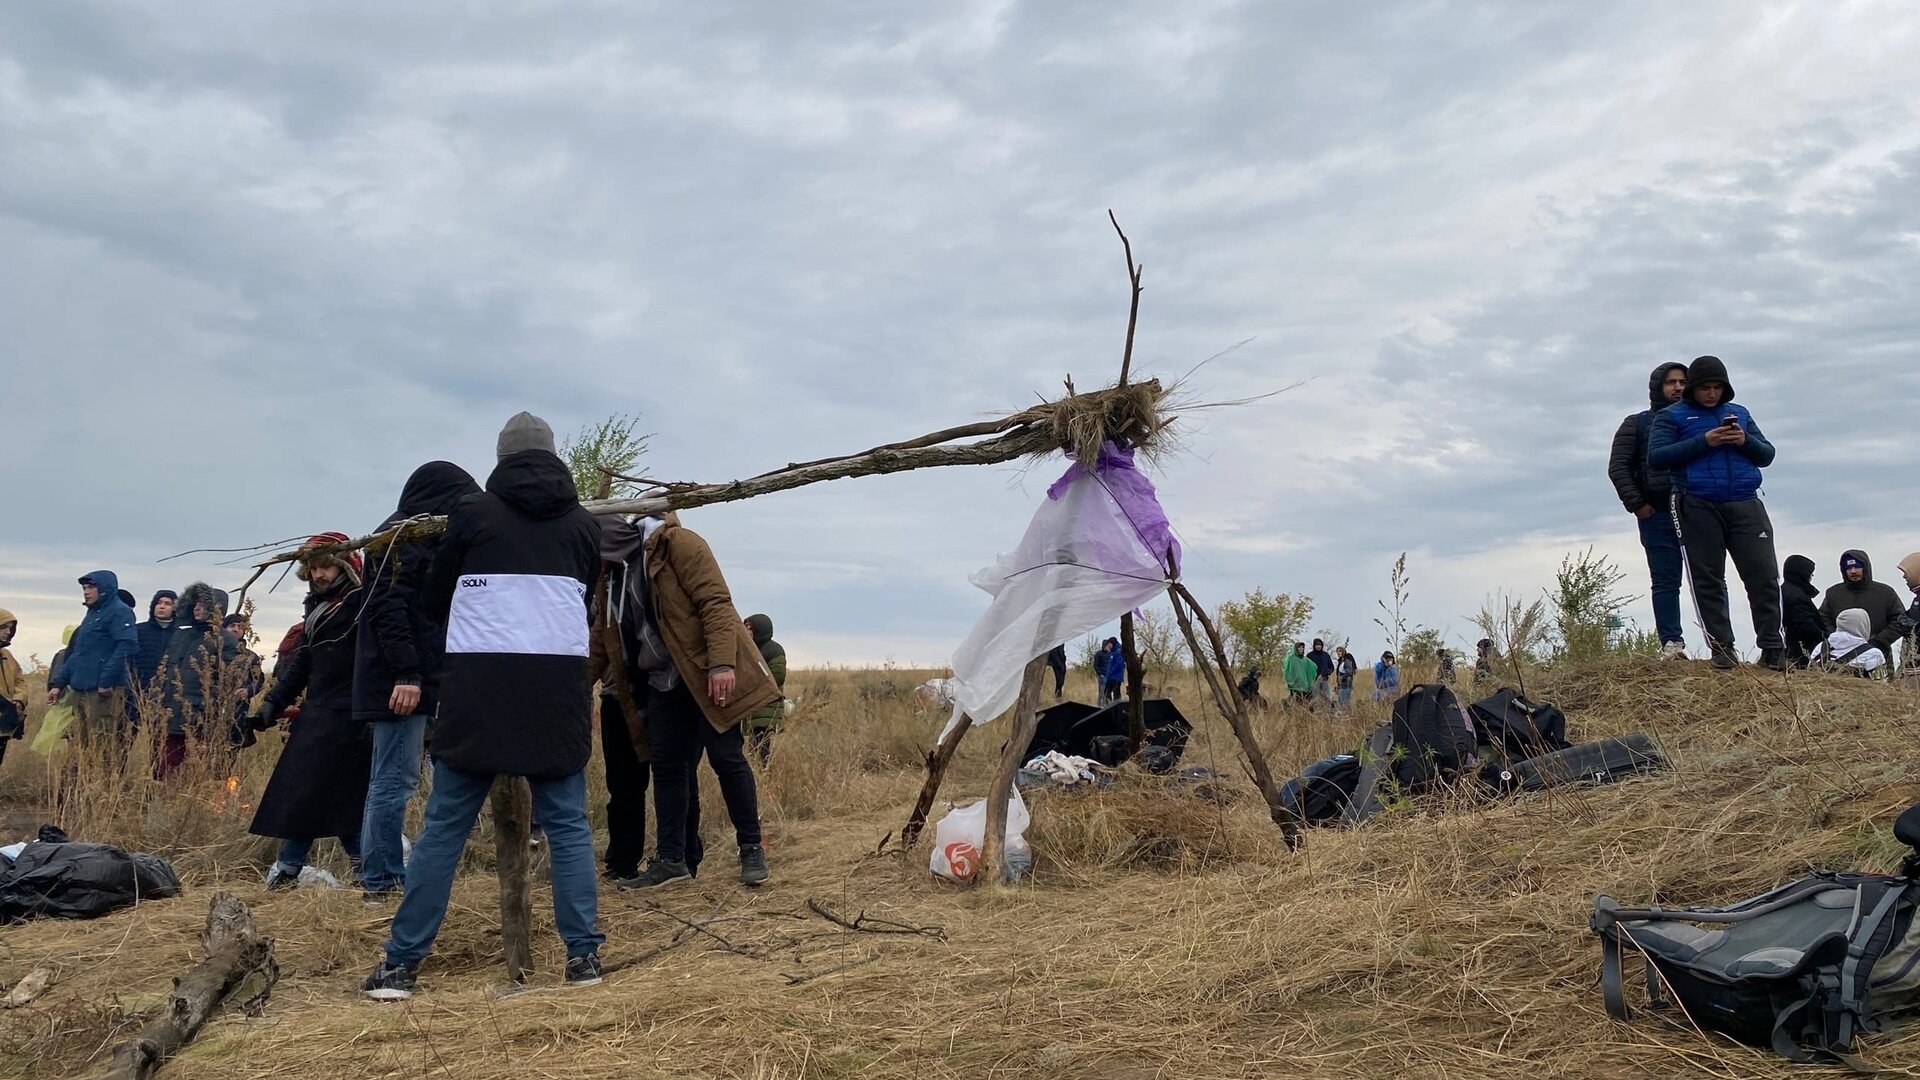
[1159, 935]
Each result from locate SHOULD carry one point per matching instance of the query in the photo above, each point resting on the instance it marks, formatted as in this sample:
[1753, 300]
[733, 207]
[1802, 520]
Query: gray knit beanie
[525, 432]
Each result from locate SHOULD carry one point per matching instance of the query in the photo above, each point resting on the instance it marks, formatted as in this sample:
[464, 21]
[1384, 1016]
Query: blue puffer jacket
[1116, 669]
[152, 636]
[1721, 474]
[102, 650]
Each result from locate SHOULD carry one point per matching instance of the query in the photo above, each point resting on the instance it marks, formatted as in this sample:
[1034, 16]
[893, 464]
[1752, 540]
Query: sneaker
[659, 872]
[753, 865]
[584, 970]
[1724, 660]
[1773, 659]
[390, 982]
[1673, 650]
[278, 878]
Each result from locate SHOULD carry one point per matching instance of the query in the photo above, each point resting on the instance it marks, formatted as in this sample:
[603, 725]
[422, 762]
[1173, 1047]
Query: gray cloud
[261, 261]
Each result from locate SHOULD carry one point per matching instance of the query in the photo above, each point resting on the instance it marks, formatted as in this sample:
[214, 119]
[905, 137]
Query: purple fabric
[1134, 494]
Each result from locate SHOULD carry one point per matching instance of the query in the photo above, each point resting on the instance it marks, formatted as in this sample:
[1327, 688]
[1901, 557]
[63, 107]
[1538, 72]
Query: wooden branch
[1133, 311]
[512, 829]
[964, 431]
[1021, 725]
[1227, 699]
[238, 959]
[937, 761]
[865, 924]
[1136, 688]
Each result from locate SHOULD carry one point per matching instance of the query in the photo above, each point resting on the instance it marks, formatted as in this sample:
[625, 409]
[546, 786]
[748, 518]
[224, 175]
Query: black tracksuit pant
[1713, 531]
[627, 781]
[679, 733]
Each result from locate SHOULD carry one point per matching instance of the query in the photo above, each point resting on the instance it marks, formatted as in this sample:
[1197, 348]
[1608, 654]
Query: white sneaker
[1673, 650]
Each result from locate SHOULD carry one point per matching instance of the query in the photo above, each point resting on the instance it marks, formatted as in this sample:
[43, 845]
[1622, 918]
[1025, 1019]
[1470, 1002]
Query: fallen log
[240, 967]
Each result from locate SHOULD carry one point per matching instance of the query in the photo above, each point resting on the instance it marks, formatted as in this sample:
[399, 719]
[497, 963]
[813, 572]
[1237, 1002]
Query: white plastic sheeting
[1085, 561]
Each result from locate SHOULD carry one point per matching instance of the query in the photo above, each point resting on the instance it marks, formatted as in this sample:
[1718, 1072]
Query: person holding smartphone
[1714, 452]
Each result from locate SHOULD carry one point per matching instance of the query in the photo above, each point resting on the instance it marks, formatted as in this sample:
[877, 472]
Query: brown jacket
[13, 682]
[700, 625]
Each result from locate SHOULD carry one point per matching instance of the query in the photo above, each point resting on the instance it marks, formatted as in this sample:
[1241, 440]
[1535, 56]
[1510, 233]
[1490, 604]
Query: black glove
[240, 733]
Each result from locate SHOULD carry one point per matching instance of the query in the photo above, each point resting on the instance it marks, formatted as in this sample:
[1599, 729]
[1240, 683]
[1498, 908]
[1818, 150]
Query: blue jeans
[452, 807]
[1346, 696]
[294, 854]
[1664, 559]
[397, 744]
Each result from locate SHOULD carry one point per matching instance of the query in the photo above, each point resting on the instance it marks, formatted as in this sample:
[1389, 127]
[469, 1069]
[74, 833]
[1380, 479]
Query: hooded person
[200, 660]
[99, 661]
[764, 721]
[1713, 453]
[1804, 628]
[624, 748]
[1300, 672]
[1323, 662]
[151, 647]
[13, 685]
[1848, 646]
[703, 677]
[399, 657]
[1858, 589]
[512, 582]
[1386, 677]
[1646, 493]
[1908, 624]
[319, 784]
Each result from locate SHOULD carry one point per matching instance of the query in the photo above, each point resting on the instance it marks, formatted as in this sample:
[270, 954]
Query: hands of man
[1644, 512]
[53, 697]
[1722, 436]
[404, 700]
[720, 687]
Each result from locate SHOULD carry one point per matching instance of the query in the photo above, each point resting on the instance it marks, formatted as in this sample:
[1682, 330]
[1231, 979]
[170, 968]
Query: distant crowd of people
[1688, 468]
[495, 633]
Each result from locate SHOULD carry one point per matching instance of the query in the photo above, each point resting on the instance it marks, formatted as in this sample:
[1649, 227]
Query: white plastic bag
[959, 836]
[312, 877]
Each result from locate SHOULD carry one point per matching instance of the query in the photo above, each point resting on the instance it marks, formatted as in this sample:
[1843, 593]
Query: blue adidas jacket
[1720, 474]
[101, 653]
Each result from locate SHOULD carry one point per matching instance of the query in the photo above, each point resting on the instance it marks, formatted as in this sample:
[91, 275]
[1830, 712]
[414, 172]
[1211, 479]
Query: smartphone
[1730, 421]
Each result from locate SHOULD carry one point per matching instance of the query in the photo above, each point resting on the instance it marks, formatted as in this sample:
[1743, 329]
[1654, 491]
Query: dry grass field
[1160, 935]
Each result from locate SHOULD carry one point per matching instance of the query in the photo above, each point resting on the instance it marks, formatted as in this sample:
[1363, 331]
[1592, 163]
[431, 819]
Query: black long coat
[319, 786]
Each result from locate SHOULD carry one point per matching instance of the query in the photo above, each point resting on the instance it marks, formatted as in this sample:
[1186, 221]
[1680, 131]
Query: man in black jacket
[1805, 629]
[1858, 589]
[398, 656]
[511, 583]
[1645, 491]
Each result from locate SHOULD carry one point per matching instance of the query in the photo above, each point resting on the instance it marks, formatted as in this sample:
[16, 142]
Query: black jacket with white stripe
[511, 583]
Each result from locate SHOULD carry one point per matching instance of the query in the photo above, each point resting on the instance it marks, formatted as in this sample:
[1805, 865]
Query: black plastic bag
[81, 881]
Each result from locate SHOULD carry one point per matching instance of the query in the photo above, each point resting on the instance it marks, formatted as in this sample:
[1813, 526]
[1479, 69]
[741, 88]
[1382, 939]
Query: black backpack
[1322, 791]
[1801, 969]
[1434, 739]
[1521, 728]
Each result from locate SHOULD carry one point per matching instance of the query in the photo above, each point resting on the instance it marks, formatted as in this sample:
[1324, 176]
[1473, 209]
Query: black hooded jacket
[1634, 480]
[398, 642]
[512, 583]
[1877, 598]
[1805, 630]
[198, 651]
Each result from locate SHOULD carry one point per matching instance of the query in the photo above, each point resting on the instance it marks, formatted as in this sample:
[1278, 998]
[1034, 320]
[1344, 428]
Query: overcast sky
[259, 261]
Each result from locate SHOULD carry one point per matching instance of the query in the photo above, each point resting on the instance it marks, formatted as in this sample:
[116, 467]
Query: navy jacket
[153, 639]
[101, 654]
[1721, 474]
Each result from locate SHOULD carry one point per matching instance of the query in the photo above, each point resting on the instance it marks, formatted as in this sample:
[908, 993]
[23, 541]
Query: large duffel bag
[1519, 727]
[1801, 969]
[1600, 762]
